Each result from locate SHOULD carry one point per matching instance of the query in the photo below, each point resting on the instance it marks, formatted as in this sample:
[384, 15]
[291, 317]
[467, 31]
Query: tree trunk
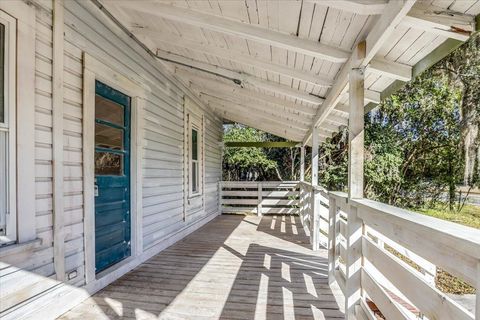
[469, 132]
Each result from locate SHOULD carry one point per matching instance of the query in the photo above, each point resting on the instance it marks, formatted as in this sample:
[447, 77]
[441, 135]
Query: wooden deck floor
[235, 267]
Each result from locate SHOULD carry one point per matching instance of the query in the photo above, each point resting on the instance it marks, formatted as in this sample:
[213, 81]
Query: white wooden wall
[88, 30]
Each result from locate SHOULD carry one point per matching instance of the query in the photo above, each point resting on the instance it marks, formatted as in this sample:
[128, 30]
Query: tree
[247, 163]
[412, 146]
[462, 67]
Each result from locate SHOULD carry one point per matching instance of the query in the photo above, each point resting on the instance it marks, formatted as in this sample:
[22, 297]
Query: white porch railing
[265, 197]
[365, 241]
[376, 252]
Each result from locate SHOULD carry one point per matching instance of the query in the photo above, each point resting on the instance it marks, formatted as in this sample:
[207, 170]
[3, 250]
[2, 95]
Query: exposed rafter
[200, 83]
[320, 81]
[244, 30]
[439, 21]
[259, 122]
[240, 110]
[244, 79]
[362, 7]
[395, 11]
[391, 69]
[295, 121]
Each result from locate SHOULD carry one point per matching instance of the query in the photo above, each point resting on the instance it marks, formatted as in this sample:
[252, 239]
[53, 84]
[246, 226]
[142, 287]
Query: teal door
[112, 176]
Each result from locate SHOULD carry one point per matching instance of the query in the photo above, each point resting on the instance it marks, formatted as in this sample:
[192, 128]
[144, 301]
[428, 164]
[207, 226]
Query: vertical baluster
[315, 228]
[260, 199]
[220, 196]
[332, 239]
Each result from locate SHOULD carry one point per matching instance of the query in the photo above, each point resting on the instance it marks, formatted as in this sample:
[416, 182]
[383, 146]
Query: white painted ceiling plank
[201, 81]
[436, 20]
[394, 12]
[244, 79]
[244, 30]
[362, 7]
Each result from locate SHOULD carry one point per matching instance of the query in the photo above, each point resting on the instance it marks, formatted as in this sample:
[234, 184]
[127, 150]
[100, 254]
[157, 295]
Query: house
[111, 118]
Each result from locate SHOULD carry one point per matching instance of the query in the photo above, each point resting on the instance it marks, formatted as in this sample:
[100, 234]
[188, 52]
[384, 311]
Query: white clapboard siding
[163, 131]
[88, 30]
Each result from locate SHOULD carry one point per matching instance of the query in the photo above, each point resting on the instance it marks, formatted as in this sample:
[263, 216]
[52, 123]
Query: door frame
[96, 70]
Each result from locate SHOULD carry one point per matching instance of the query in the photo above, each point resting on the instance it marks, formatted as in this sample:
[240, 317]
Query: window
[8, 228]
[195, 181]
[195, 150]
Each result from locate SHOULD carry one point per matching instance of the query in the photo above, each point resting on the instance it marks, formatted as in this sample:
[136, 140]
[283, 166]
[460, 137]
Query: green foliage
[245, 163]
[412, 145]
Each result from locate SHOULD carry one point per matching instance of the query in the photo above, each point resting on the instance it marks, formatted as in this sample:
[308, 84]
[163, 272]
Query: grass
[468, 216]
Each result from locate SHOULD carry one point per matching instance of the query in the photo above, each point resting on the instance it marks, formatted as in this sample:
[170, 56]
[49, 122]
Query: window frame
[194, 163]
[9, 126]
[195, 123]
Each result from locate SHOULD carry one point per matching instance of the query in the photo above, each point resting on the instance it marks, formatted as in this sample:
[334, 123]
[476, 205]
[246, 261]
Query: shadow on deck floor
[235, 267]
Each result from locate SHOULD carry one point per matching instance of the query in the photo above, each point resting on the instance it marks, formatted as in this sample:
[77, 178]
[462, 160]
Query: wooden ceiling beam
[242, 78]
[281, 123]
[380, 66]
[362, 7]
[440, 21]
[270, 111]
[237, 57]
[200, 83]
[394, 12]
[236, 28]
[259, 123]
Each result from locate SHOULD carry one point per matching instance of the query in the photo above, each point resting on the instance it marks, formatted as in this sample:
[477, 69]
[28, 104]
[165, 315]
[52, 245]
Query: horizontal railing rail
[260, 197]
[389, 256]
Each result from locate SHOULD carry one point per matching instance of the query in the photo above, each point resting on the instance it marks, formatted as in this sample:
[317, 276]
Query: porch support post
[302, 163]
[314, 156]
[314, 227]
[355, 181]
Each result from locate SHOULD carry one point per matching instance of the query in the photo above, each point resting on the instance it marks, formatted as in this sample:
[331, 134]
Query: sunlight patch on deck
[262, 298]
[310, 285]
[288, 310]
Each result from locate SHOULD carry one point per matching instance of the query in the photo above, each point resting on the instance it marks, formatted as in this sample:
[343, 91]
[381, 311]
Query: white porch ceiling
[281, 66]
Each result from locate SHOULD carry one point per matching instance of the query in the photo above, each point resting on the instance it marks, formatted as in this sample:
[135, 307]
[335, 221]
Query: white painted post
[332, 239]
[259, 204]
[355, 182]
[313, 199]
[314, 156]
[302, 163]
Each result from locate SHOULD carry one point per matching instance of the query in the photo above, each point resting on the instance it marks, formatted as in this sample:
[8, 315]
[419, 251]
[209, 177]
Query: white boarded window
[8, 227]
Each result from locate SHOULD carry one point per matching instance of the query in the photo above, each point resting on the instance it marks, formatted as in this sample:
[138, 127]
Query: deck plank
[235, 267]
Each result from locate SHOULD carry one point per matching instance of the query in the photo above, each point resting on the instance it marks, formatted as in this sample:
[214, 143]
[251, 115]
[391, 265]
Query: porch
[300, 70]
[235, 267]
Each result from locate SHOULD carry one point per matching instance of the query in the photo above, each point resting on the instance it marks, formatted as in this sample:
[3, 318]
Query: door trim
[96, 70]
